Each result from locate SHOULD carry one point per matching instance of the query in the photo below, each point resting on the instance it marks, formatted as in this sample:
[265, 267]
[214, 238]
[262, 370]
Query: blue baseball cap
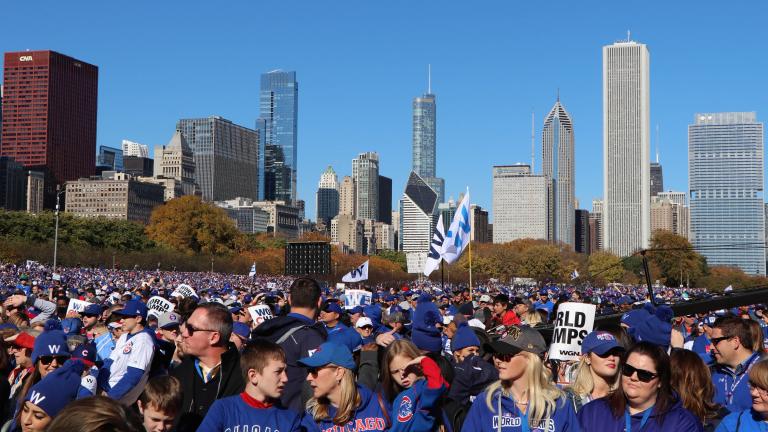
[330, 352]
[241, 329]
[356, 310]
[133, 308]
[92, 309]
[599, 342]
[333, 307]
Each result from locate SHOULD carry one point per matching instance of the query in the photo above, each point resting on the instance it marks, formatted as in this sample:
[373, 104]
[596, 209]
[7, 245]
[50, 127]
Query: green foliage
[604, 267]
[396, 257]
[675, 258]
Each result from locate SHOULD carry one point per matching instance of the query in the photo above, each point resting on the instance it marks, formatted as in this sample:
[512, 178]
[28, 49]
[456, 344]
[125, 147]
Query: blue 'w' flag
[457, 237]
[252, 273]
[435, 248]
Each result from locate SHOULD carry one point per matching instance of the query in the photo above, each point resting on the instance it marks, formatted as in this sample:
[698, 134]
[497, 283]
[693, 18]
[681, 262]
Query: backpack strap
[384, 411]
[289, 333]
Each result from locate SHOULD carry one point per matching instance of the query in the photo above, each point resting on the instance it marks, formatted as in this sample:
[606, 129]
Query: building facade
[417, 221]
[247, 217]
[385, 236]
[519, 204]
[327, 199]
[669, 216]
[110, 157]
[225, 156]
[725, 172]
[35, 191]
[365, 172]
[116, 197]
[348, 197]
[583, 241]
[385, 200]
[657, 178]
[478, 222]
[278, 115]
[347, 232]
[13, 180]
[131, 148]
[425, 142]
[49, 116]
[626, 147]
[138, 166]
[558, 167]
[176, 161]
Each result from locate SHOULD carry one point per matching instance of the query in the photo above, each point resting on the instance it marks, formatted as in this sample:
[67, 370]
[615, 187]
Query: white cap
[476, 323]
[405, 305]
[485, 298]
[363, 321]
[447, 319]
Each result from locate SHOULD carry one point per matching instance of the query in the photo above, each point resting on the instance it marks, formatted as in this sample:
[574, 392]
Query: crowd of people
[111, 350]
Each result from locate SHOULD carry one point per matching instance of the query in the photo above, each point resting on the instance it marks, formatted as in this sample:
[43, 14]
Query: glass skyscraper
[278, 113]
[725, 171]
[424, 142]
[558, 167]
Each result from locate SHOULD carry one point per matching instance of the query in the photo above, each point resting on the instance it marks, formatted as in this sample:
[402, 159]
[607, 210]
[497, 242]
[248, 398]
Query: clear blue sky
[360, 63]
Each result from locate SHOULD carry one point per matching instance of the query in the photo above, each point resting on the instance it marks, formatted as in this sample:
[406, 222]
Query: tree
[396, 257]
[189, 225]
[675, 258]
[543, 263]
[604, 267]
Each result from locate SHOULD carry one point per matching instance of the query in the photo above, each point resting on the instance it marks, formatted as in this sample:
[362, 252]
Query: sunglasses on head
[642, 374]
[46, 360]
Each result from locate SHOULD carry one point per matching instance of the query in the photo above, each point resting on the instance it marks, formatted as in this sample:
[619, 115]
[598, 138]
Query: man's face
[89, 321]
[722, 349]
[498, 308]
[196, 334]
[129, 323]
[520, 309]
[155, 420]
[329, 317]
[450, 329]
[271, 381]
[543, 298]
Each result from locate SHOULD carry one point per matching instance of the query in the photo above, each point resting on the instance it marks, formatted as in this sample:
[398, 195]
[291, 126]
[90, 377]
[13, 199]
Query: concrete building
[447, 210]
[596, 226]
[226, 157]
[176, 161]
[557, 142]
[365, 172]
[171, 187]
[582, 235]
[283, 218]
[680, 198]
[478, 221]
[348, 197]
[248, 217]
[347, 231]
[35, 191]
[135, 149]
[669, 216]
[115, 196]
[385, 237]
[519, 204]
[725, 172]
[417, 220]
[626, 147]
[327, 197]
[369, 237]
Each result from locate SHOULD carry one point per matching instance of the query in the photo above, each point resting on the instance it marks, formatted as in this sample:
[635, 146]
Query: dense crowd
[116, 350]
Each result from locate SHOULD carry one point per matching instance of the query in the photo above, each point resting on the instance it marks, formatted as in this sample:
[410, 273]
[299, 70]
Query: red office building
[49, 115]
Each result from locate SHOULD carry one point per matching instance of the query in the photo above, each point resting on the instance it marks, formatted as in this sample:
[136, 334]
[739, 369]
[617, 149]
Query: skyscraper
[347, 197]
[225, 157]
[135, 149]
[519, 204]
[725, 171]
[385, 200]
[596, 226]
[110, 157]
[176, 161]
[365, 171]
[582, 231]
[417, 220]
[278, 114]
[327, 196]
[626, 147]
[657, 178]
[49, 115]
[425, 141]
[558, 169]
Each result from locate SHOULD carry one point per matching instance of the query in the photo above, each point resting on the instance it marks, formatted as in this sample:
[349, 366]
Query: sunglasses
[613, 352]
[717, 340]
[46, 360]
[504, 358]
[642, 374]
[315, 371]
[367, 327]
[191, 329]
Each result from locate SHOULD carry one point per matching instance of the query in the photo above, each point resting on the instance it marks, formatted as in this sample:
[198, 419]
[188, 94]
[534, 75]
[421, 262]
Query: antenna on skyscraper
[533, 143]
[657, 143]
[429, 79]
[629, 36]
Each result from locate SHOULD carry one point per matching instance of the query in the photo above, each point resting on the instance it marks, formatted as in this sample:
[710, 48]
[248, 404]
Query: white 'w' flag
[575, 274]
[358, 274]
[457, 237]
[435, 248]
[252, 273]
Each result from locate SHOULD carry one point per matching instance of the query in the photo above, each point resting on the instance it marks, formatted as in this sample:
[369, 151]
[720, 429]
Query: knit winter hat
[57, 389]
[634, 317]
[464, 337]
[425, 335]
[51, 342]
[652, 330]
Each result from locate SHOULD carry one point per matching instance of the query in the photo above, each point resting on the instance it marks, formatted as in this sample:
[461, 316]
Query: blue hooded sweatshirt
[597, 416]
[413, 407]
[369, 416]
[482, 419]
[748, 421]
[242, 412]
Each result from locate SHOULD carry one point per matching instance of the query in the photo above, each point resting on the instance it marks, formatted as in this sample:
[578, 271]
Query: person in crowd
[597, 373]
[524, 397]
[21, 347]
[330, 315]
[502, 315]
[396, 355]
[544, 303]
[464, 343]
[258, 407]
[167, 341]
[210, 369]
[416, 405]
[702, 344]
[45, 308]
[364, 326]
[692, 382]
[160, 403]
[338, 402]
[757, 336]
[645, 401]
[755, 418]
[126, 371]
[49, 396]
[732, 347]
[98, 413]
[298, 334]
[240, 334]
[90, 317]
[105, 340]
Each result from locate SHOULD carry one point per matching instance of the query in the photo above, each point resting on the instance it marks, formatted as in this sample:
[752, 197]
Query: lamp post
[56, 232]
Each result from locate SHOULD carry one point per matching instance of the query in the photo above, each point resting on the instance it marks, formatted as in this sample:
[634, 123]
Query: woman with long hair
[692, 381]
[337, 401]
[645, 400]
[398, 353]
[755, 418]
[524, 398]
[597, 372]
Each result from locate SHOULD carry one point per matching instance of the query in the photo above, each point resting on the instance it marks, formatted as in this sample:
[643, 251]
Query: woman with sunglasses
[338, 402]
[597, 372]
[524, 398]
[756, 418]
[645, 401]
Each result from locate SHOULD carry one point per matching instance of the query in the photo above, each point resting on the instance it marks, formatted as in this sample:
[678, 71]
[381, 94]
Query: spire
[558, 94]
[629, 36]
[657, 143]
[429, 79]
[533, 142]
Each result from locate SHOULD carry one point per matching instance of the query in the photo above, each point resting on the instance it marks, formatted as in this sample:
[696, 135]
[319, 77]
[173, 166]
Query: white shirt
[136, 352]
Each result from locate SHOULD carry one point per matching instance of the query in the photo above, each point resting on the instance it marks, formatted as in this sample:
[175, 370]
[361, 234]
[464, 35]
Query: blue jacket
[597, 416]
[748, 421]
[732, 386]
[481, 418]
[369, 416]
[413, 409]
[234, 413]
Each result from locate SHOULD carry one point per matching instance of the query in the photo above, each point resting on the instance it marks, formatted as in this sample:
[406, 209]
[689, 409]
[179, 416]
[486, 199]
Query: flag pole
[470, 250]
[442, 275]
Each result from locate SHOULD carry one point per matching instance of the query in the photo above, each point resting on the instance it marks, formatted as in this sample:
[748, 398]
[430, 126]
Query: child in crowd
[160, 403]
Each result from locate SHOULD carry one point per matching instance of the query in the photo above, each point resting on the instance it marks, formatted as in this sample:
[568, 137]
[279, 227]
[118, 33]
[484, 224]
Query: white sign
[77, 305]
[340, 285]
[260, 313]
[354, 298]
[184, 290]
[159, 305]
[271, 285]
[574, 321]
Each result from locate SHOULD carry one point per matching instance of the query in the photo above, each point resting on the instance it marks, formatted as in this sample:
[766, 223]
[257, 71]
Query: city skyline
[145, 108]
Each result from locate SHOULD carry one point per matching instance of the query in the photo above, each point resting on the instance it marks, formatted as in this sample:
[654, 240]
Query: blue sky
[360, 63]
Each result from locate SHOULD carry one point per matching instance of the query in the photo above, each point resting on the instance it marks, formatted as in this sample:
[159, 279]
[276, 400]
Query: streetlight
[56, 233]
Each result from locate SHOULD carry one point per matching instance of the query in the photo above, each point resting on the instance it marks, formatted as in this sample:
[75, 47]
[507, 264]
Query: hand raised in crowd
[15, 300]
[385, 339]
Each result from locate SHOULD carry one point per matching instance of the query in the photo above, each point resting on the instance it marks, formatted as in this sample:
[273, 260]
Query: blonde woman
[597, 372]
[338, 403]
[524, 398]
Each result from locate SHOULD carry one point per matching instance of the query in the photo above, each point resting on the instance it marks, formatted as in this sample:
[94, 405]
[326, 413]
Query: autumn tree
[604, 267]
[675, 258]
[189, 225]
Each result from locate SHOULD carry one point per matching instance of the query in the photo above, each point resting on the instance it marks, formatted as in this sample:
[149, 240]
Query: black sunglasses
[46, 360]
[642, 374]
[717, 340]
[504, 358]
[612, 352]
[192, 329]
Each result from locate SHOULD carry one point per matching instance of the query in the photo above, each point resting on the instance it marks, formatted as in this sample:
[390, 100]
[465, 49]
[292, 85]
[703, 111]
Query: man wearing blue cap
[544, 302]
[125, 373]
[330, 315]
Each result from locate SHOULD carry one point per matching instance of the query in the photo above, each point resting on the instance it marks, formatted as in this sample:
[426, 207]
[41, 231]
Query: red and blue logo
[405, 411]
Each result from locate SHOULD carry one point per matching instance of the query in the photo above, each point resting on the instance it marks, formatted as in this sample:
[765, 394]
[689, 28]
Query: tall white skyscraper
[365, 172]
[417, 221]
[519, 204]
[626, 147]
[558, 167]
